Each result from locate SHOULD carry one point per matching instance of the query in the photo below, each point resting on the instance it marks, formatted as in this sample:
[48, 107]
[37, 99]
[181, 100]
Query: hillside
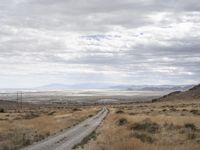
[191, 94]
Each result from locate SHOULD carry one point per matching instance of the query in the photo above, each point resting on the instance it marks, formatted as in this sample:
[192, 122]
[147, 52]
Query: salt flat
[82, 96]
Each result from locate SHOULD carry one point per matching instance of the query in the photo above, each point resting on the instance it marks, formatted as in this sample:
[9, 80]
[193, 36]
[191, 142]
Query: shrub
[4, 147]
[132, 113]
[119, 112]
[143, 137]
[173, 109]
[91, 136]
[171, 126]
[122, 121]
[190, 126]
[48, 134]
[51, 113]
[148, 126]
[76, 109]
[90, 115]
[31, 115]
[2, 110]
[38, 137]
[191, 135]
[195, 112]
[154, 100]
[26, 142]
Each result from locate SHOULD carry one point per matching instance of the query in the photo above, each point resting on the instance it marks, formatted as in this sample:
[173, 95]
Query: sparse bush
[171, 126]
[190, 126]
[154, 100]
[90, 115]
[119, 112]
[18, 138]
[195, 112]
[76, 109]
[191, 135]
[31, 115]
[143, 137]
[2, 110]
[173, 109]
[122, 121]
[39, 137]
[26, 142]
[148, 126]
[132, 113]
[4, 147]
[51, 113]
[93, 135]
[48, 134]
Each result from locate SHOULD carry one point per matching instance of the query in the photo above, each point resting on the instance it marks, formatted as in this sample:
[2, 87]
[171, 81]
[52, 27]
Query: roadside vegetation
[149, 126]
[20, 128]
[91, 136]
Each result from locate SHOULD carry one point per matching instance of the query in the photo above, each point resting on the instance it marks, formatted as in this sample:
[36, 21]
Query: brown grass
[148, 127]
[21, 129]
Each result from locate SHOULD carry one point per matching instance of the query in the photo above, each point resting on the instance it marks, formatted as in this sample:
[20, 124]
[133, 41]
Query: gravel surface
[71, 137]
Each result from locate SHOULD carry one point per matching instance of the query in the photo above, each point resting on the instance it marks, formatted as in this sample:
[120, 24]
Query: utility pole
[17, 101]
[21, 100]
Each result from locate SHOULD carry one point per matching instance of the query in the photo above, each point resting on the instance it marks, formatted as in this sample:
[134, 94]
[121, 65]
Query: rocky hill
[191, 94]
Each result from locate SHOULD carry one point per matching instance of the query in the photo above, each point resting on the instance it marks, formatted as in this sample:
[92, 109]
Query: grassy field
[172, 124]
[149, 126]
[19, 128]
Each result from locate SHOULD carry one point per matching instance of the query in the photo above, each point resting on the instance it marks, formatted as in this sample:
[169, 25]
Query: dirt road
[69, 138]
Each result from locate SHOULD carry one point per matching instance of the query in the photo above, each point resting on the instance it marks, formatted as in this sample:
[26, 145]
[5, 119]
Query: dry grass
[21, 129]
[150, 126]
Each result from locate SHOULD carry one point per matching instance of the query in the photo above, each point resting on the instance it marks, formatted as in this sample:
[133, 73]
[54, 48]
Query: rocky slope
[191, 94]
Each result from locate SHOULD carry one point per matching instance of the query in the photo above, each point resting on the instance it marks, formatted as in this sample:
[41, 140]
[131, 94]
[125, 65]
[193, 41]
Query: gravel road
[69, 138]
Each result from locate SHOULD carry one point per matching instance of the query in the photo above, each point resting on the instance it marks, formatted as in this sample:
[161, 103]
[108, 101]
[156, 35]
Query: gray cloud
[139, 42]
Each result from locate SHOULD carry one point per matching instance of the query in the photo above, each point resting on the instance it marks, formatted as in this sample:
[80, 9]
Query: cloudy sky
[99, 41]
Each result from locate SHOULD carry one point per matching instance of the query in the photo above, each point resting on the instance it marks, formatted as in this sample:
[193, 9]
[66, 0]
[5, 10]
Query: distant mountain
[118, 87]
[191, 94]
[57, 86]
[53, 86]
[153, 87]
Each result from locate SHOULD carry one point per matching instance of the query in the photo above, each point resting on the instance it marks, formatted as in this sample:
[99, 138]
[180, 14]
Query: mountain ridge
[191, 94]
[118, 87]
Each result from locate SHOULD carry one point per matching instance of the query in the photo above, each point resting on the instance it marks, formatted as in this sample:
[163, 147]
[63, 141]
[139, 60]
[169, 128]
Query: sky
[141, 42]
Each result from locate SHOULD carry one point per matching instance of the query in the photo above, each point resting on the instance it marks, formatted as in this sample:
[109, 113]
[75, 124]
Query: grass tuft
[119, 112]
[144, 137]
[148, 126]
[2, 110]
[86, 140]
[190, 126]
[121, 121]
